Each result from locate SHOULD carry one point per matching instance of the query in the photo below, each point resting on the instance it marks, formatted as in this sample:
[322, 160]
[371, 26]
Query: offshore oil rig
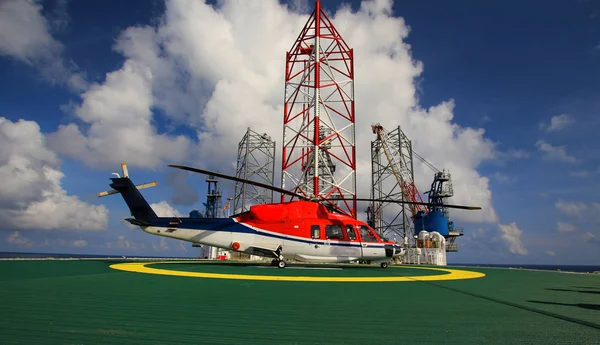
[319, 153]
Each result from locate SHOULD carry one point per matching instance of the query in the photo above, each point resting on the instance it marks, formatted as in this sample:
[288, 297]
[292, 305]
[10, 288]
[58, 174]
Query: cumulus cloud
[554, 153]
[579, 173]
[30, 180]
[203, 67]
[572, 209]
[119, 124]
[15, 238]
[506, 239]
[26, 37]
[161, 246]
[512, 154]
[182, 192]
[557, 123]
[122, 242]
[591, 238]
[511, 234]
[163, 209]
[80, 243]
[565, 227]
[503, 178]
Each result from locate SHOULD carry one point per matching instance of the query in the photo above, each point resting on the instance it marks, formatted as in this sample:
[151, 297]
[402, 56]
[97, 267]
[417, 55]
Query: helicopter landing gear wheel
[281, 264]
[384, 265]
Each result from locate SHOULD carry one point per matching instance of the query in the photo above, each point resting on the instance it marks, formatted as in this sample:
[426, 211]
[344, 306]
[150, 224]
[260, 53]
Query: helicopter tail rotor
[126, 175]
[139, 207]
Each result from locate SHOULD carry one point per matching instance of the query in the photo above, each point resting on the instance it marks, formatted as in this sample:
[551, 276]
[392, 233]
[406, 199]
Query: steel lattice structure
[396, 218]
[318, 156]
[256, 162]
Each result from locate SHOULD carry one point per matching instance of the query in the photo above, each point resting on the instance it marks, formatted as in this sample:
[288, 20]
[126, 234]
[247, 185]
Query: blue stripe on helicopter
[229, 225]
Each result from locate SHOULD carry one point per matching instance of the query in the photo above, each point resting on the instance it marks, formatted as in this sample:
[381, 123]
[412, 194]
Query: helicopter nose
[389, 250]
[393, 250]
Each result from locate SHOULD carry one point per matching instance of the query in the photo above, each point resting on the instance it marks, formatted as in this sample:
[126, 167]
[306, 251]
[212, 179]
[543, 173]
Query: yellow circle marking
[452, 274]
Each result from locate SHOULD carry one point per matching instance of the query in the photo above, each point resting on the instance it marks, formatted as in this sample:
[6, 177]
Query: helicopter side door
[342, 241]
[354, 247]
[368, 240]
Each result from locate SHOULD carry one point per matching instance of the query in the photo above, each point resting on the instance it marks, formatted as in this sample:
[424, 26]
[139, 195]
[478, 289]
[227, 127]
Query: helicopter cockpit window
[367, 234]
[334, 231]
[315, 231]
[351, 233]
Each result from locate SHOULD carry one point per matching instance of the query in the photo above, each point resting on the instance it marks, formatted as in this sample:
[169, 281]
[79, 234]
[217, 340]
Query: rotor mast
[318, 126]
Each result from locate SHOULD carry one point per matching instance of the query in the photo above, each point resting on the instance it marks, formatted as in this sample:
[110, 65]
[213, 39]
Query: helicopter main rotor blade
[237, 179]
[462, 207]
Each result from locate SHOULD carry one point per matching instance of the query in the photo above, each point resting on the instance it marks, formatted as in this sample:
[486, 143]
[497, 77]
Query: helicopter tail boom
[139, 207]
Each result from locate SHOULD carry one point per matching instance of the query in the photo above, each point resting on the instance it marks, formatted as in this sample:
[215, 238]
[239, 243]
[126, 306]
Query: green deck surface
[86, 302]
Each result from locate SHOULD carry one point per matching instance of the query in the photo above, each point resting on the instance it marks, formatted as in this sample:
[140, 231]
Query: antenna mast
[319, 158]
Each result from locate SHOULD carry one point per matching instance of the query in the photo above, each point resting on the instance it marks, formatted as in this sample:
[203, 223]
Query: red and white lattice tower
[319, 157]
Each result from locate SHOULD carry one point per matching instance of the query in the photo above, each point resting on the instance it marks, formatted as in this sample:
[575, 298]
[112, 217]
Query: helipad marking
[140, 267]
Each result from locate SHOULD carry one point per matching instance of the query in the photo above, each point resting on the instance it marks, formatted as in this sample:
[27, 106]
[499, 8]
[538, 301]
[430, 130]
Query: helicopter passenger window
[367, 234]
[351, 233]
[315, 231]
[334, 231]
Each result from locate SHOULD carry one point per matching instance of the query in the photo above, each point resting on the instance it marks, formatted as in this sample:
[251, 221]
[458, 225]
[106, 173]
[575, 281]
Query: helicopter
[303, 230]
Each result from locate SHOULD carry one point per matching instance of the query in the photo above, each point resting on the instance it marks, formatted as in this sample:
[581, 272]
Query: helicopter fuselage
[326, 241]
[305, 231]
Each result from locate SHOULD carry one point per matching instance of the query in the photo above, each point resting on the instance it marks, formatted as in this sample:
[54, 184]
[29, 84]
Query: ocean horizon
[27, 255]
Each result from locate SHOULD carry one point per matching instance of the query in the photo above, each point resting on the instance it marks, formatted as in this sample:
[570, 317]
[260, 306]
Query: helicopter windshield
[367, 234]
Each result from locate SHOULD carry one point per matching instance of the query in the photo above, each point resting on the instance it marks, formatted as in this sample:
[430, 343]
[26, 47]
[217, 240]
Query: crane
[399, 169]
[434, 217]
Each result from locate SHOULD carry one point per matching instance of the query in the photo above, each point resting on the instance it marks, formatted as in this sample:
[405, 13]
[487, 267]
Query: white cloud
[26, 37]
[579, 173]
[163, 209]
[123, 243]
[80, 243]
[15, 238]
[554, 153]
[120, 124]
[591, 238]
[572, 209]
[204, 68]
[182, 192]
[557, 123]
[183, 246]
[565, 227]
[513, 154]
[550, 253]
[503, 178]
[161, 246]
[511, 234]
[32, 196]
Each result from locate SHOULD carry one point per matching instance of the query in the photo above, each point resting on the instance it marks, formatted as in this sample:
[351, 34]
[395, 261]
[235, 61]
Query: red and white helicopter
[303, 230]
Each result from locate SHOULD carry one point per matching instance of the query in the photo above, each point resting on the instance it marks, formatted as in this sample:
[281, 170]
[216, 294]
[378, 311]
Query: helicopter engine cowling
[393, 250]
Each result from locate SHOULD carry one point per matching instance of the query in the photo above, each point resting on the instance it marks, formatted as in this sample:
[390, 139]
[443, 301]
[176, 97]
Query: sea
[564, 268]
[16, 255]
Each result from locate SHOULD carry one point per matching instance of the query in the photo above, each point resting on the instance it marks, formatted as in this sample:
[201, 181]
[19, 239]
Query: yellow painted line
[451, 274]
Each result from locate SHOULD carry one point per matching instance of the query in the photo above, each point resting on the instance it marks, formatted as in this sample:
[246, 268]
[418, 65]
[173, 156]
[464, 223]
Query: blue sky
[524, 73]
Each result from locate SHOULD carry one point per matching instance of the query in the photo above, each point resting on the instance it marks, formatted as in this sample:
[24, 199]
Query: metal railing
[451, 247]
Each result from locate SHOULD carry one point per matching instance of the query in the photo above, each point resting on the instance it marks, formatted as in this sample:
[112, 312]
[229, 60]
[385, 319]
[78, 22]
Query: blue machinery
[393, 178]
[437, 217]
